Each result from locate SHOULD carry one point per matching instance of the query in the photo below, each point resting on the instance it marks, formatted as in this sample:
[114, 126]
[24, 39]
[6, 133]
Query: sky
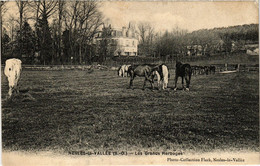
[166, 15]
[186, 15]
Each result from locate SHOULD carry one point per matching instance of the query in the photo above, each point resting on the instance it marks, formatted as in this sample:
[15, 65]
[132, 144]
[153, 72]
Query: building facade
[122, 42]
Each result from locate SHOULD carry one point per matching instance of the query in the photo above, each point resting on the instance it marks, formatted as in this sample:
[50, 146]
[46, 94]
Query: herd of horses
[149, 71]
[198, 70]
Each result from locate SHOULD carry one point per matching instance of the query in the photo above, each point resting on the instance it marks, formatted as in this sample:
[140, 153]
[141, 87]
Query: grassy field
[63, 111]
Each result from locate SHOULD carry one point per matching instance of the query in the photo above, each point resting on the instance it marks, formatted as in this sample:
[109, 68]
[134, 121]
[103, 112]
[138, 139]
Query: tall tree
[22, 7]
[28, 43]
[82, 20]
[104, 43]
[44, 35]
[2, 11]
[61, 5]
[45, 9]
[5, 45]
[146, 38]
[35, 6]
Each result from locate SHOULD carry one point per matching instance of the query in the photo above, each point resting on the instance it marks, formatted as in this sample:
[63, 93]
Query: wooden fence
[219, 67]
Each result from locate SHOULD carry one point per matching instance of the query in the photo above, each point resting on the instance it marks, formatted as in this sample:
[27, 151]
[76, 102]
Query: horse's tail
[118, 70]
[166, 68]
[160, 71]
[190, 73]
[165, 72]
[130, 71]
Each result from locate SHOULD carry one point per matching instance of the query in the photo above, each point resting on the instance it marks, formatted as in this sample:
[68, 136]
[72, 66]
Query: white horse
[12, 71]
[123, 70]
[162, 76]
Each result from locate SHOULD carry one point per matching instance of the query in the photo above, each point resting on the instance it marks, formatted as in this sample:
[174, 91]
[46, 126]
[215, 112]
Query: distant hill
[247, 32]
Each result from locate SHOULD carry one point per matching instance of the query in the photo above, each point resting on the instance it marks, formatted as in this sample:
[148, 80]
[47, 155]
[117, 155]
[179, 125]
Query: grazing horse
[163, 76]
[123, 70]
[146, 70]
[12, 71]
[183, 71]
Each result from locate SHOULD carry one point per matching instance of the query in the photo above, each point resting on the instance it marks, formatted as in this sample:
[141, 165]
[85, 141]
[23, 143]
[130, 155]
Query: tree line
[62, 31]
[207, 42]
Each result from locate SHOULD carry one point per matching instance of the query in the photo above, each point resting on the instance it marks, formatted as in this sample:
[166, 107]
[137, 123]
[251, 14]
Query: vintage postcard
[129, 82]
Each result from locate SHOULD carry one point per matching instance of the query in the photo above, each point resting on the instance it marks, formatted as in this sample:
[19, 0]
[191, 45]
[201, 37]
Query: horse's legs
[176, 80]
[147, 78]
[16, 87]
[158, 79]
[187, 82]
[151, 81]
[144, 83]
[182, 82]
[131, 81]
[164, 84]
[10, 92]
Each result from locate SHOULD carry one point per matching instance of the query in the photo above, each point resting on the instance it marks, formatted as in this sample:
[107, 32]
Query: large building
[122, 42]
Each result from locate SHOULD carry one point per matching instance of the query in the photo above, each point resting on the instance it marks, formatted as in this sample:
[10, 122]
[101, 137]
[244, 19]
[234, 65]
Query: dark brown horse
[183, 71]
[144, 70]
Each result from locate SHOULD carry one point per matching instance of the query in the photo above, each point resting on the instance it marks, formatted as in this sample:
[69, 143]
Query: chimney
[124, 31]
[129, 32]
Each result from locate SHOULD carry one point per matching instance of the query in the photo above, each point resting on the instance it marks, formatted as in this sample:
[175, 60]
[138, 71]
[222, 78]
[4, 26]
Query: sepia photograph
[88, 82]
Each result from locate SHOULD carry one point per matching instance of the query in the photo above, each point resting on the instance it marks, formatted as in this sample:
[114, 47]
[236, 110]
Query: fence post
[226, 66]
[238, 66]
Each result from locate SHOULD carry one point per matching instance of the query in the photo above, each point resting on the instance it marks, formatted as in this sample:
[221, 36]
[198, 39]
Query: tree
[44, 35]
[105, 43]
[28, 43]
[22, 7]
[61, 5]
[82, 20]
[45, 44]
[56, 28]
[227, 45]
[66, 47]
[146, 34]
[2, 11]
[5, 45]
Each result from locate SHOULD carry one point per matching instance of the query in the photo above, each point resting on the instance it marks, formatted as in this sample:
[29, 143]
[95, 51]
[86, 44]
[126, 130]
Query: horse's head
[178, 64]
[130, 69]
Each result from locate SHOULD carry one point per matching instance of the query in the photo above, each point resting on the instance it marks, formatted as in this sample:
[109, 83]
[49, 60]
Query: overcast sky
[167, 15]
[187, 15]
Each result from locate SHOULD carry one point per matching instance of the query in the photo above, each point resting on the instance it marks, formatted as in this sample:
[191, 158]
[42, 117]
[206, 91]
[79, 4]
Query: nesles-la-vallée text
[174, 153]
[205, 160]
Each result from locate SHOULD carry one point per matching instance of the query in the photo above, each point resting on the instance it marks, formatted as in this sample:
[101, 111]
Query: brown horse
[183, 71]
[145, 70]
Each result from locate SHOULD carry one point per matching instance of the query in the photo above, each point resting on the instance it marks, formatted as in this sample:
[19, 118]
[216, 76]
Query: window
[127, 43]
